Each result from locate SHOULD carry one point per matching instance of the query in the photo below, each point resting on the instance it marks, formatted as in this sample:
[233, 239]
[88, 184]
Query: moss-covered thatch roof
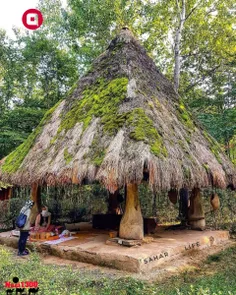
[123, 119]
[4, 185]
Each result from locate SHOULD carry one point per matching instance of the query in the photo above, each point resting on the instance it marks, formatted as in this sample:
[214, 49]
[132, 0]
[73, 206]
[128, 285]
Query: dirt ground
[192, 260]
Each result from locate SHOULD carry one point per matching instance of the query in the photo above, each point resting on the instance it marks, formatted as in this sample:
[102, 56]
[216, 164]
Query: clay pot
[113, 234]
[215, 201]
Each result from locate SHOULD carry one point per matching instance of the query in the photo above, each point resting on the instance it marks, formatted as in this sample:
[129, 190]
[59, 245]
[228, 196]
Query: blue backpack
[21, 220]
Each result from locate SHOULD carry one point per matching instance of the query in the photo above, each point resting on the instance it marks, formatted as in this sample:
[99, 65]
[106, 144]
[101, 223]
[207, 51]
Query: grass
[216, 277]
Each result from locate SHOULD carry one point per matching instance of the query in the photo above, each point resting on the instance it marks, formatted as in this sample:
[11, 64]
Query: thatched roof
[122, 120]
[4, 185]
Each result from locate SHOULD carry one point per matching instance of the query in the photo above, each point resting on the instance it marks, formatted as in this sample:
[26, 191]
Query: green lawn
[217, 276]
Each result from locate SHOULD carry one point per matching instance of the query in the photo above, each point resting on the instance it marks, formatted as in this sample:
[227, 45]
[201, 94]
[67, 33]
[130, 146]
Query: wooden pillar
[196, 216]
[9, 193]
[35, 196]
[131, 226]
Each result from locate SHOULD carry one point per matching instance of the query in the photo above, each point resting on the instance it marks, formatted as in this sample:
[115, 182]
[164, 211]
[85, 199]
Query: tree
[36, 71]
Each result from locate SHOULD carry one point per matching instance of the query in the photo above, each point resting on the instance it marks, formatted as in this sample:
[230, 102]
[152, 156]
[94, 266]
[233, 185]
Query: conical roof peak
[124, 117]
[125, 36]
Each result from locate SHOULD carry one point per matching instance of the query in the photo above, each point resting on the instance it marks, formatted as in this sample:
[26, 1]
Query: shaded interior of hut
[71, 207]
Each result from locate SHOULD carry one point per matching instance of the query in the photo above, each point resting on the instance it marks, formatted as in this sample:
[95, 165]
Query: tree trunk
[131, 226]
[178, 35]
[196, 216]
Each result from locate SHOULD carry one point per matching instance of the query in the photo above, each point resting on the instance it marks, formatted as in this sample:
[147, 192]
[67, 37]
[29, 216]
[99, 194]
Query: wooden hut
[121, 122]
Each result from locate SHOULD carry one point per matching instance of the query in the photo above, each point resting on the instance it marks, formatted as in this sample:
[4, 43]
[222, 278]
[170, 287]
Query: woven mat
[59, 241]
[80, 239]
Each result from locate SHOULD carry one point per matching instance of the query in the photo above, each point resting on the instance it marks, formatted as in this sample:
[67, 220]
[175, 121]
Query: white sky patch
[11, 12]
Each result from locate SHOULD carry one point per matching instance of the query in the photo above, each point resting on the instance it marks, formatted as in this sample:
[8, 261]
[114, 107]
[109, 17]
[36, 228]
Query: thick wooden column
[35, 196]
[196, 216]
[131, 226]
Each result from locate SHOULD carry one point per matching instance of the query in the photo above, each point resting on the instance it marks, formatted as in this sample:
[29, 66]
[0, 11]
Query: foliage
[73, 203]
[36, 71]
[15, 158]
[16, 125]
[10, 209]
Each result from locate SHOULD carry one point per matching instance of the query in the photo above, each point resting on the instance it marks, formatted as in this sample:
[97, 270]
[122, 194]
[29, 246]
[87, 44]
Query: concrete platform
[90, 246]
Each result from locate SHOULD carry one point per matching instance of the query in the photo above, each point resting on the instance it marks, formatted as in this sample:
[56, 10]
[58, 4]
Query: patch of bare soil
[192, 260]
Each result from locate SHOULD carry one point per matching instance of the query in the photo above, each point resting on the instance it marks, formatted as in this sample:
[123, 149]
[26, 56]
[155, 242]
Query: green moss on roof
[96, 153]
[185, 117]
[67, 156]
[15, 158]
[206, 166]
[4, 185]
[100, 100]
[98, 157]
[214, 146]
[144, 129]
[186, 172]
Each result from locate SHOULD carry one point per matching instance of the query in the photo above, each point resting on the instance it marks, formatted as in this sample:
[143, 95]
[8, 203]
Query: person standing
[24, 231]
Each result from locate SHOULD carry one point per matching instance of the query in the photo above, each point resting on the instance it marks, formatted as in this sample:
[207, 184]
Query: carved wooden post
[196, 217]
[131, 226]
[35, 196]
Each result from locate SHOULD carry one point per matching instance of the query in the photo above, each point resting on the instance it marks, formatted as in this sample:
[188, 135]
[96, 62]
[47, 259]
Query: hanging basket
[173, 196]
[215, 201]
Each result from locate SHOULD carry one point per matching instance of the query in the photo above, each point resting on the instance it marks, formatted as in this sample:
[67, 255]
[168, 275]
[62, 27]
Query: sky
[11, 12]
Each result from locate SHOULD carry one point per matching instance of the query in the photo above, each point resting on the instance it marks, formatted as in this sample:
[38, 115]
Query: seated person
[43, 220]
